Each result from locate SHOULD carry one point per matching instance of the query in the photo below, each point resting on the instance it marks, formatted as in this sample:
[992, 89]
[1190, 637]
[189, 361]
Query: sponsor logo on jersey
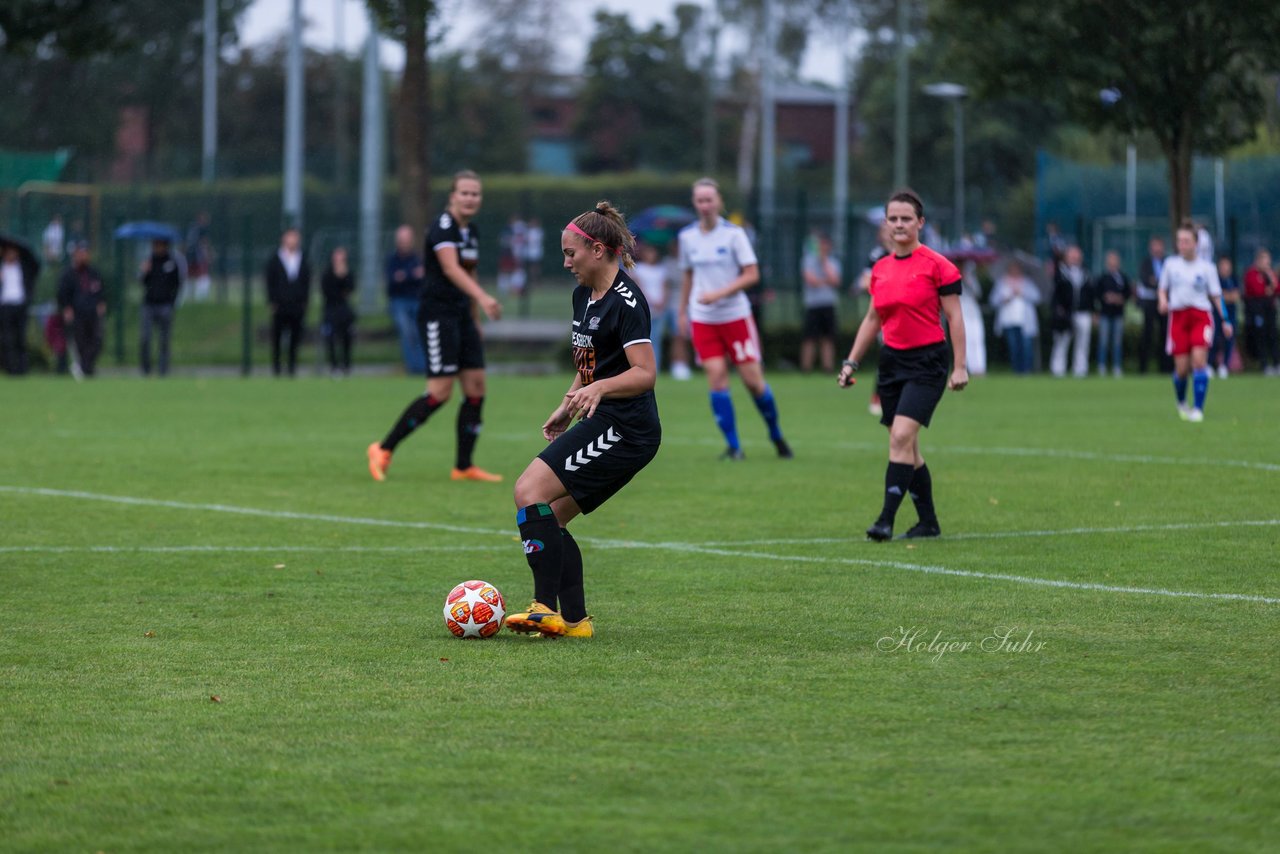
[593, 324]
[580, 340]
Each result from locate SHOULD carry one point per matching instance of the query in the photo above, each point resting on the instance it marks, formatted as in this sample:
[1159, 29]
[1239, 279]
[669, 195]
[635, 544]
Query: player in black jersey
[446, 322]
[618, 432]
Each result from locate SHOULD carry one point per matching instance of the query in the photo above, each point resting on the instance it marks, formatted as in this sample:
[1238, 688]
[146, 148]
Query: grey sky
[267, 19]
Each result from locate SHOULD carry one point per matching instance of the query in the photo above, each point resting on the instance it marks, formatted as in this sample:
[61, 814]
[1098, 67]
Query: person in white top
[1189, 290]
[1015, 298]
[651, 275]
[719, 265]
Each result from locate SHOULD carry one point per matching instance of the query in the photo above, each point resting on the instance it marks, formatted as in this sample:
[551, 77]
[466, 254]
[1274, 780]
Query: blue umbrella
[147, 230]
[659, 224]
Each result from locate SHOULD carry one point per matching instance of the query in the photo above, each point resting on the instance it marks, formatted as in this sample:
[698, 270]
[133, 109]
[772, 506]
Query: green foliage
[735, 697]
[1188, 73]
[642, 102]
[86, 62]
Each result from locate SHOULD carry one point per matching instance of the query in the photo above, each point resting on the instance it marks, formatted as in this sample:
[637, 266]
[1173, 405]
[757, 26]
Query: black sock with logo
[897, 480]
[543, 549]
[413, 417]
[468, 430]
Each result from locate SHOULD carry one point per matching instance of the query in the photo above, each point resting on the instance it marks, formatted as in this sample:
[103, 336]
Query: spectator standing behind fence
[1072, 319]
[1154, 324]
[161, 278]
[199, 257]
[651, 275]
[1260, 313]
[82, 299]
[1015, 298]
[821, 272]
[1224, 347]
[288, 292]
[680, 369]
[1113, 290]
[975, 341]
[405, 278]
[337, 285]
[53, 241]
[17, 286]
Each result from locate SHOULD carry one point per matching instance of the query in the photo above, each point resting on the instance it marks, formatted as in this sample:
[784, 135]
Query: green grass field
[165, 543]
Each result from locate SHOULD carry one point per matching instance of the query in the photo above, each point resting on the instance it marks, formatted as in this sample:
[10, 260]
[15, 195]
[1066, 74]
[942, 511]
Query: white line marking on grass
[243, 549]
[1051, 453]
[687, 548]
[939, 570]
[1068, 454]
[1013, 535]
[250, 511]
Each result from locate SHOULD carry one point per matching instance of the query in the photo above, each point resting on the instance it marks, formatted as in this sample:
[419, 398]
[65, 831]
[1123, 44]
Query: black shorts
[820, 322]
[911, 382]
[594, 459]
[451, 341]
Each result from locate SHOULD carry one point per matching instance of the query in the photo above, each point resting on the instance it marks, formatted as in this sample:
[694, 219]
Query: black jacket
[82, 290]
[1065, 300]
[289, 296]
[162, 282]
[1112, 283]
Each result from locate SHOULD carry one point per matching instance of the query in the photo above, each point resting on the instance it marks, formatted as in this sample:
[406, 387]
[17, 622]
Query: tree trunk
[1177, 153]
[747, 141]
[413, 130]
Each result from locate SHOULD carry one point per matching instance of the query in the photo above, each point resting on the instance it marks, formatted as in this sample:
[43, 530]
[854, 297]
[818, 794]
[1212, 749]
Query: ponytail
[606, 225]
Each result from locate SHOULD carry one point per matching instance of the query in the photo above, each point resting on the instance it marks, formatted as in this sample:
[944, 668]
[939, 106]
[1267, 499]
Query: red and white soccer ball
[474, 609]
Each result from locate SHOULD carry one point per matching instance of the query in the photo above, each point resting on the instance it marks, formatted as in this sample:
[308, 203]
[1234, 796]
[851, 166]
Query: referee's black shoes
[880, 532]
[922, 530]
[784, 450]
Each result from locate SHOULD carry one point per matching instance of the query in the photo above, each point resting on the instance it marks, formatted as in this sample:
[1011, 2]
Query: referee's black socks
[897, 480]
[413, 417]
[544, 550]
[922, 495]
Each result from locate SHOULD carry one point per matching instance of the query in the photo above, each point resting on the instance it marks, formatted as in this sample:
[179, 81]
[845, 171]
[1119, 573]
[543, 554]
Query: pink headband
[573, 226]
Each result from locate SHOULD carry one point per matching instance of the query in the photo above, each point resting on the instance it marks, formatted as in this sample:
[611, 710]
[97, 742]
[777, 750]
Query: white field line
[687, 548]
[943, 449]
[1016, 535]
[208, 549]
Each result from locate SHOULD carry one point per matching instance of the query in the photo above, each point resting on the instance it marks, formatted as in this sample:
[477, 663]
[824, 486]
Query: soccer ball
[474, 609]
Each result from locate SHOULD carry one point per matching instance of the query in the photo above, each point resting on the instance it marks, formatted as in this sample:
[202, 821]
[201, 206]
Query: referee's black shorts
[594, 459]
[450, 339]
[911, 382]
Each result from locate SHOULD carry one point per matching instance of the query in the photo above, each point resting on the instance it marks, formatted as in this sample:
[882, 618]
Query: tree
[75, 65]
[1188, 73]
[407, 22]
[642, 102]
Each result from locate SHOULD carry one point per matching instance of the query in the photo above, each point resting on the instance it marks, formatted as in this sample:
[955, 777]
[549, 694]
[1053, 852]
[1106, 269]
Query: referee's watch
[850, 364]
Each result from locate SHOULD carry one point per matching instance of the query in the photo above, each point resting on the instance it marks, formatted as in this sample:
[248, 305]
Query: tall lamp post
[955, 93]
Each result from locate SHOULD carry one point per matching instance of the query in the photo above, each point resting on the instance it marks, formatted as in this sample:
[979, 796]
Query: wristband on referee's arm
[851, 364]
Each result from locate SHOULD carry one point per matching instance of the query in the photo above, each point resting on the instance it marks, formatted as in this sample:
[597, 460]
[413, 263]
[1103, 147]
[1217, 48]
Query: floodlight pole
[210, 97]
[955, 93]
[293, 118]
[901, 94]
[768, 125]
[841, 189]
[373, 121]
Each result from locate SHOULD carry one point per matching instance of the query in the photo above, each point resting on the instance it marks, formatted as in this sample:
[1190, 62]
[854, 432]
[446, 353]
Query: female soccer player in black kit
[618, 431]
[910, 290]
[449, 333]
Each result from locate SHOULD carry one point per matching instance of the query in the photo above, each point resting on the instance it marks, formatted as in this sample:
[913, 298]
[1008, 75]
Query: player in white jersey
[719, 265]
[1189, 290]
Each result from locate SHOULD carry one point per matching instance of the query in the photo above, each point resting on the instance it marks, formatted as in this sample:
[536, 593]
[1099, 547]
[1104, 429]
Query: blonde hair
[608, 227]
[463, 175]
